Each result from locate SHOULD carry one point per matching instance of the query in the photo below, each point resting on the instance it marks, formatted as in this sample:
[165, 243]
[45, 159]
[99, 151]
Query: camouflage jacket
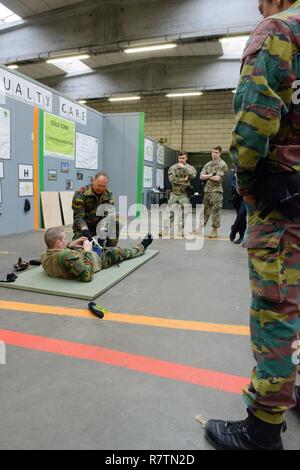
[178, 175]
[220, 169]
[85, 205]
[267, 103]
[71, 264]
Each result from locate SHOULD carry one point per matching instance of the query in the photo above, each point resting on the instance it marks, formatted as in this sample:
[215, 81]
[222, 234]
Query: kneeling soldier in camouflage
[78, 260]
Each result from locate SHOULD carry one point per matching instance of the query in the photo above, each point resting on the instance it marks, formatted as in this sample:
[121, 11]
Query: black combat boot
[251, 434]
[297, 407]
[233, 233]
[147, 241]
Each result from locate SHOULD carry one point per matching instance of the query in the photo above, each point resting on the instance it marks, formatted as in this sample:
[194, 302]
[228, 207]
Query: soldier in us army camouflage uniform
[78, 260]
[267, 128]
[180, 176]
[213, 173]
[93, 208]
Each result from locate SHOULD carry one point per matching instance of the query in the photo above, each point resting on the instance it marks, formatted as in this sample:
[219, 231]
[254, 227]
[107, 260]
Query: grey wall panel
[121, 154]
[114, 153]
[13, 219]
[131, 156]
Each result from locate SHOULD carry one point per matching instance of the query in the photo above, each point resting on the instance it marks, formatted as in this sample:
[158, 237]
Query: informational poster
[0, 193]
[1, 170]
[87, 152]
[25, 172]
[4, 134]
[148, 177]
[160, 179]
[160, 154]
[59, 137]
[25, 188]
[149, 150]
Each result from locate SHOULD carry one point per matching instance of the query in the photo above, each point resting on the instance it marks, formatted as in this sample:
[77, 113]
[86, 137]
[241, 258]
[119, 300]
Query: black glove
[86, 233]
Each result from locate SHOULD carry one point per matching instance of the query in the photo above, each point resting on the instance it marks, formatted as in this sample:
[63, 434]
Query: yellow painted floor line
[126, 318]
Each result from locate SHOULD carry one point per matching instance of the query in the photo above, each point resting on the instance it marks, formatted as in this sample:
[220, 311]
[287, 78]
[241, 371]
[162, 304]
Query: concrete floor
[54, 402]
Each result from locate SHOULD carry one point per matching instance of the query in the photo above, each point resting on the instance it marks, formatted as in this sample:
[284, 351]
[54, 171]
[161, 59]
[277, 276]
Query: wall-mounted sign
[149, 150]
[25, 172]
[24, 90]
[59, 137]
[87, 152]
[148, 177]
[160, 154]
[73, 111]
[25, 188]
[4, 134]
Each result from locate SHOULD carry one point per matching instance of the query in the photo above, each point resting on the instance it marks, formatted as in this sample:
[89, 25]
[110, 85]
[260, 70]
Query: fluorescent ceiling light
[157, 47]
[7, 16]
[82, 101]
[125, 98]
[234, 46]
[13, 67]
[233, 91]
[184, 94]
[68, 60]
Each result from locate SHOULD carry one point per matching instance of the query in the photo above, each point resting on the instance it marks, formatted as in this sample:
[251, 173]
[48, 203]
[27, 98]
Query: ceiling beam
[157, 77]
[107, 25]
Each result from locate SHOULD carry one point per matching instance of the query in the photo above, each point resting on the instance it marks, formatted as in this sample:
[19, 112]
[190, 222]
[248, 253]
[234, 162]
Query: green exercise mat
[36, 280]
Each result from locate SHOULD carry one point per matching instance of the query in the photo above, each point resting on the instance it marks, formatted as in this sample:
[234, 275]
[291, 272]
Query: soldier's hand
[78, 243]
[88, 246]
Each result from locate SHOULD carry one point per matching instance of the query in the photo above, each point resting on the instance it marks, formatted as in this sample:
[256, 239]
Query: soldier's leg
[275, 325]
[170, 215]
[113, 256]
[184, 203]
[207, 207]
[217, 204]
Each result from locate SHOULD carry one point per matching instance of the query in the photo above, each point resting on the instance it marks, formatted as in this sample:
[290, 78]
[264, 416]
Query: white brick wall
[192, 124]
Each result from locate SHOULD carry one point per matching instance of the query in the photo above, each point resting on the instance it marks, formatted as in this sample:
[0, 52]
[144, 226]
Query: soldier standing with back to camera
[266, 151]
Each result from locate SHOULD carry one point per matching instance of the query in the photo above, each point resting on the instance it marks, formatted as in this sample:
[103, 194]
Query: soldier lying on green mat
[77, 260]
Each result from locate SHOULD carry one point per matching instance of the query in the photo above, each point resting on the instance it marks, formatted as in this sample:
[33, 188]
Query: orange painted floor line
[143, 364]
[158, 322]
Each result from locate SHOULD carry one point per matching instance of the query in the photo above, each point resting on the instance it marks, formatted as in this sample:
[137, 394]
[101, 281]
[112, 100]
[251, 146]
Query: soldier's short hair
[183, 154]
[218, 148]
[52, 235]
[101, 173]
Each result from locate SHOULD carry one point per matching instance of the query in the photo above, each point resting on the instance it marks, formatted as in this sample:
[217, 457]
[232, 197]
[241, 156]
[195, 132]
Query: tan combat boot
[214, 233]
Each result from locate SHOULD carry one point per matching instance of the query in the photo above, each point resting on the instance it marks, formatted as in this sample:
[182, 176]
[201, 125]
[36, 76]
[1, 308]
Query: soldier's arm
[263, 98]
[81, 269]
[204, 175]
[78, 207]
[192, 172]
[171, 174]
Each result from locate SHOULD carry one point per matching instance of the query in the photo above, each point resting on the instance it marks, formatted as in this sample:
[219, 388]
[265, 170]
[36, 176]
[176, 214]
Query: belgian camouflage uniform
[86, 205]
[179, 196]
[81, 265]
[268, 126]
[213, 192]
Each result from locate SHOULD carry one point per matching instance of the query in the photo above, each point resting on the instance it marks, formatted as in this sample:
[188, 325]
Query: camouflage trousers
[274, 260]
[177, 202]
[213, 203]
[113, 256]
[109, 229]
